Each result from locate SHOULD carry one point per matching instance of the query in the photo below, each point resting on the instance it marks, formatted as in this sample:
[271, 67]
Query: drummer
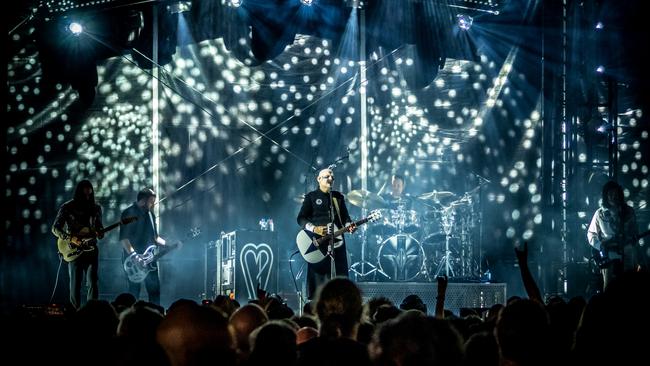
[396, 198]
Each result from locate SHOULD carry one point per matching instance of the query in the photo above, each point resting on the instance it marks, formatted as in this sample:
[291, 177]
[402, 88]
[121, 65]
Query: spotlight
[235, 3]
[307, 2]
[358, 4]
[180, 7]
[75, 28]
[604, 127]
[600, 25]
[464, 21]
[600, 69]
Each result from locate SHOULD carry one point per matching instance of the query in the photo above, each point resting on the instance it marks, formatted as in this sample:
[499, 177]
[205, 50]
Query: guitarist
[138, 236]
[613, 233]
[82, 212]
[315, 215]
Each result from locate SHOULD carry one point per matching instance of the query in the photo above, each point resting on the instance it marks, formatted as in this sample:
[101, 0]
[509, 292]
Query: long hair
[612, 186]
[80, 197]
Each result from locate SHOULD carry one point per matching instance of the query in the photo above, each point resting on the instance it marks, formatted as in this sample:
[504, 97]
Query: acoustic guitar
[313, 247]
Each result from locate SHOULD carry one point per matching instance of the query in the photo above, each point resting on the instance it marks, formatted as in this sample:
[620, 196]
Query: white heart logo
[256, 261]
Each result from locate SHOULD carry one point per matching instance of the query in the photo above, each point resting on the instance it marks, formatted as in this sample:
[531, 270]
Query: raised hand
[522, 253]
[440, 299]
[261, 294]
[442, 284]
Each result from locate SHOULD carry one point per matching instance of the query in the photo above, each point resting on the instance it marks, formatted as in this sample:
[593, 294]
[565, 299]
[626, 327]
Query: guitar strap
[338, 213]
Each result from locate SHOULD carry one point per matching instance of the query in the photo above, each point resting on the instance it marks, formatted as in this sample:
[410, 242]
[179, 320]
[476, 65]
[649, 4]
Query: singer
[321, 209]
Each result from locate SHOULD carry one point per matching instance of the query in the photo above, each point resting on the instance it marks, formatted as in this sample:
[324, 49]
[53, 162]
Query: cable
[56, 281]
[293, 277]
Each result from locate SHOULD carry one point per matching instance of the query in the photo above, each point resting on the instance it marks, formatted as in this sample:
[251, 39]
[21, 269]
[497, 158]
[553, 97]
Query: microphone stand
[331, 226]
[482, 181]
[330, 230]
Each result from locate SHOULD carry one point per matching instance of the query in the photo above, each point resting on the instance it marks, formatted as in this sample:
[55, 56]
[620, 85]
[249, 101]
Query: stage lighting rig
[464, 21]
[75, 28]
[357, 4]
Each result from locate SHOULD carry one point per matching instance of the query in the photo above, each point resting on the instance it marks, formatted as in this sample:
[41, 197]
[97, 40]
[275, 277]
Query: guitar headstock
[128, 220]
[194, 232]
[374, 215]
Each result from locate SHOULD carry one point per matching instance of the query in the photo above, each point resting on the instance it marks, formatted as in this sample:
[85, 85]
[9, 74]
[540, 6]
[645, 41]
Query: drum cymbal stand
[445, 262]
[359, 268]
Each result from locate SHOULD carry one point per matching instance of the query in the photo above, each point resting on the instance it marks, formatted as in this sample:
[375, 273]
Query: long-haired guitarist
[140, 235]
[613, 233]
[314, 216]
[79, 224]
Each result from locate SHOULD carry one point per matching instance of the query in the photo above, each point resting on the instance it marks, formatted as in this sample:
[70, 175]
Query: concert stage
[458, 295]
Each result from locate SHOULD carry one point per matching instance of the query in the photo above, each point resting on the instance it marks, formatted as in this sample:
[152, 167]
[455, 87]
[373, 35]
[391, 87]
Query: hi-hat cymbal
[365, 199]
[436, 195]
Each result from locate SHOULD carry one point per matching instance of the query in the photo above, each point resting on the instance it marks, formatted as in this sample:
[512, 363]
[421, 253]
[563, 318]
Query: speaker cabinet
[239, 262]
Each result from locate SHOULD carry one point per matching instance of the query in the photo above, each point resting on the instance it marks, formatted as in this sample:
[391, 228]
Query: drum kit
[419, 238]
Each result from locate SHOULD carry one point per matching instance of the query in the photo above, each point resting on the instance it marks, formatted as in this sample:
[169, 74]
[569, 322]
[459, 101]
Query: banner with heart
[256, 263]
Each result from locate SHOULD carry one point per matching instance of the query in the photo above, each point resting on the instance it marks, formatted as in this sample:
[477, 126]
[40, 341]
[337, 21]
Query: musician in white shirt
[613, 232]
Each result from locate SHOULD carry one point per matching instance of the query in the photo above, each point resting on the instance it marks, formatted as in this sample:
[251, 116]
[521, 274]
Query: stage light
[600, 25]
[307, 2]
[358, 4]
[235, 3]
[600, 69]
[75, 28]
[180, 7]
[604, 127]
[464, 21]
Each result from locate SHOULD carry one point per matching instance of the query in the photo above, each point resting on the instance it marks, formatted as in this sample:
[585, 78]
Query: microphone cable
[293, 277]
[56, 281]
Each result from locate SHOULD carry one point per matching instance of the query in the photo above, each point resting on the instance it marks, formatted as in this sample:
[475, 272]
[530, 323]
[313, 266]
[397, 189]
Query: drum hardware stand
[361, 272]
[445, 261]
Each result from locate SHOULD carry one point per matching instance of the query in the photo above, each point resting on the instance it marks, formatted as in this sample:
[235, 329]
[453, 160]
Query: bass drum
[401, 258]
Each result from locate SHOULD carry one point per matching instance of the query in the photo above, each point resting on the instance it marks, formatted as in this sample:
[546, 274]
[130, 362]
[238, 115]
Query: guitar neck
[162, 250]
[342, 230]
[110, 227]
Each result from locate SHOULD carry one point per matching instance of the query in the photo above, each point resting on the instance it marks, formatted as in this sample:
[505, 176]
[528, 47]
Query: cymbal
[472, 191]
[436, 195]
[365, 199]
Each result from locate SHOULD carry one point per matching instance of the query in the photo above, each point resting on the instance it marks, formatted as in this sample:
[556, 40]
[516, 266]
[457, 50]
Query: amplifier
[240, 261]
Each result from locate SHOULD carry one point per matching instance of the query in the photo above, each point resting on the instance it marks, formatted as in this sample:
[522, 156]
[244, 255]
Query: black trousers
[319, 273]
[151, 284]
[84, 266]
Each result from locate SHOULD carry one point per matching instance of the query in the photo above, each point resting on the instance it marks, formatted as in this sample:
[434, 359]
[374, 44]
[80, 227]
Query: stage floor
[459, 295]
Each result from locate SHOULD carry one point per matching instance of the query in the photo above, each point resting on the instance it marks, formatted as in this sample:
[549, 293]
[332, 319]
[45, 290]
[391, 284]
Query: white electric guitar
[313, 247]
[137, 266]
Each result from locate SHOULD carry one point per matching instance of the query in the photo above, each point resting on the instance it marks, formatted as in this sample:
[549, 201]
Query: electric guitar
[313, 247]
[84, 240]
[614, 244]
[137, 266]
